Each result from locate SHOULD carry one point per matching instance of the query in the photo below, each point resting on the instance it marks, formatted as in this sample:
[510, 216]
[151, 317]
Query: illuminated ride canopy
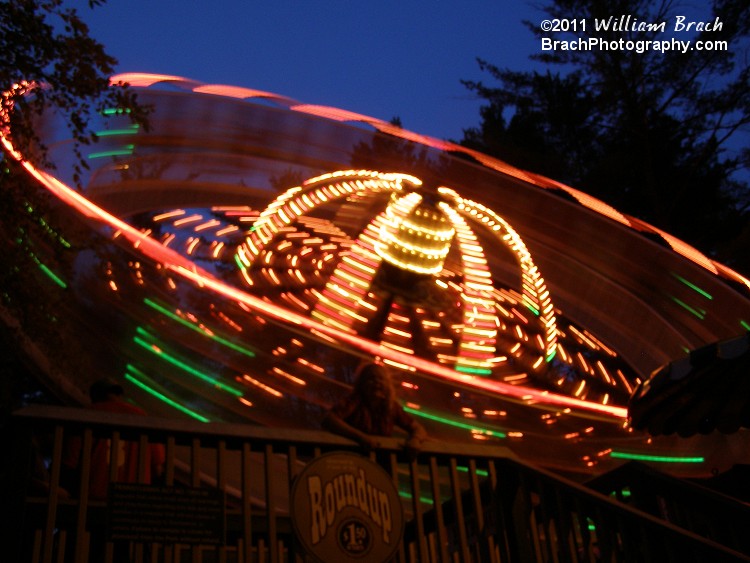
[249, 251]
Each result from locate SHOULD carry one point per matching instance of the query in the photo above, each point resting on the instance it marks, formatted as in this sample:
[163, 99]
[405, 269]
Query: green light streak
[656, 458]
[115, 111]
[700, 313]
[693, 286]
[475, 371]
[51, 275]
[239, 262]
[125, 151]
[199, 330]
[480, 472]
[112, 132]
[53, 233]
[745, 325]
[551, 357]
[183, 366]
[46, 226]
[160, 396]
[457, 424]
[408, 495]
[531, 308]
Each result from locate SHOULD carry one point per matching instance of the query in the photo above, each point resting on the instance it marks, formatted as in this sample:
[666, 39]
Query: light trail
[188, 270]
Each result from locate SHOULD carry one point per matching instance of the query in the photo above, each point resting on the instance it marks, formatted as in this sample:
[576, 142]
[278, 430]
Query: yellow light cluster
[298, 200]
[414, 237]
[478, 337]
[535, 293]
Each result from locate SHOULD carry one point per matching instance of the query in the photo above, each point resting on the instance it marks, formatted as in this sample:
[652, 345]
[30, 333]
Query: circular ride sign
[346, 508]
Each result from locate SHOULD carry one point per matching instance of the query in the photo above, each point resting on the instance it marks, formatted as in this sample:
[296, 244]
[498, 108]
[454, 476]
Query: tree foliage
[658, 135]
[49, 63]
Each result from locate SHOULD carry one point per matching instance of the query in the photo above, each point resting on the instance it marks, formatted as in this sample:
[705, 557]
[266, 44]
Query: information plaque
[169, 515]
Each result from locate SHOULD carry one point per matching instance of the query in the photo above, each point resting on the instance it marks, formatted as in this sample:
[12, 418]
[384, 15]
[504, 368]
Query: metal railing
[461, 502]
[686, 504]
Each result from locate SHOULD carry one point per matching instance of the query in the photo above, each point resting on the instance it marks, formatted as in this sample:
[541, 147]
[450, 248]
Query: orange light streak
[289, 376]
[192, 244]
[604, 371]
[168, 215]
[310, 365]
[401, 349]
[259, 385]
[185, 220]
[207, 225]
[519, 377]
[397, 332]
[398, 365]
[188, 270]
[218, 249]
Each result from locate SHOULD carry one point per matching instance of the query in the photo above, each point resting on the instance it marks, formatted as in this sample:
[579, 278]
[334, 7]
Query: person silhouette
[372, 411]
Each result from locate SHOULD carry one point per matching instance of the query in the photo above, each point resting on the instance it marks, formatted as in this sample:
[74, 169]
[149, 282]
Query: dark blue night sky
[382, 59]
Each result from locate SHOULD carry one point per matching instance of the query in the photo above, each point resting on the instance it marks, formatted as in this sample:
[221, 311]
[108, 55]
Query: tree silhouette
[49, 63]
[661, 135]
[389, 153]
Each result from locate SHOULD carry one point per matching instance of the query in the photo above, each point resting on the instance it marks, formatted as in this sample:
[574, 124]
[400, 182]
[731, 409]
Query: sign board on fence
[170, 515]
[346, 508]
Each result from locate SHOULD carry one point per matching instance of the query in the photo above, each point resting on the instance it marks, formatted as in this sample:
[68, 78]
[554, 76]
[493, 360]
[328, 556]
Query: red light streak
[141, 79]
[235, 92]
[188, 270]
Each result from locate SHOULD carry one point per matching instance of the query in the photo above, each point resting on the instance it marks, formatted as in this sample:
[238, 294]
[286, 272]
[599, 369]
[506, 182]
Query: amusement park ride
[249, 251]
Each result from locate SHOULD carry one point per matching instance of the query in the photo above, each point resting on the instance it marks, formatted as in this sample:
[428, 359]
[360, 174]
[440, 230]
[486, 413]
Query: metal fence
[461, 502]
[686, 504]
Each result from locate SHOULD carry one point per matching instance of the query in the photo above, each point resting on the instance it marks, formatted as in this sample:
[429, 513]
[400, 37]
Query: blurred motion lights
[414, 237]
[232, 289]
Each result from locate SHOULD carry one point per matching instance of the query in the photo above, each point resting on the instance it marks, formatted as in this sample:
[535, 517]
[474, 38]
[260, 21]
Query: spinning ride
[249, 251]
